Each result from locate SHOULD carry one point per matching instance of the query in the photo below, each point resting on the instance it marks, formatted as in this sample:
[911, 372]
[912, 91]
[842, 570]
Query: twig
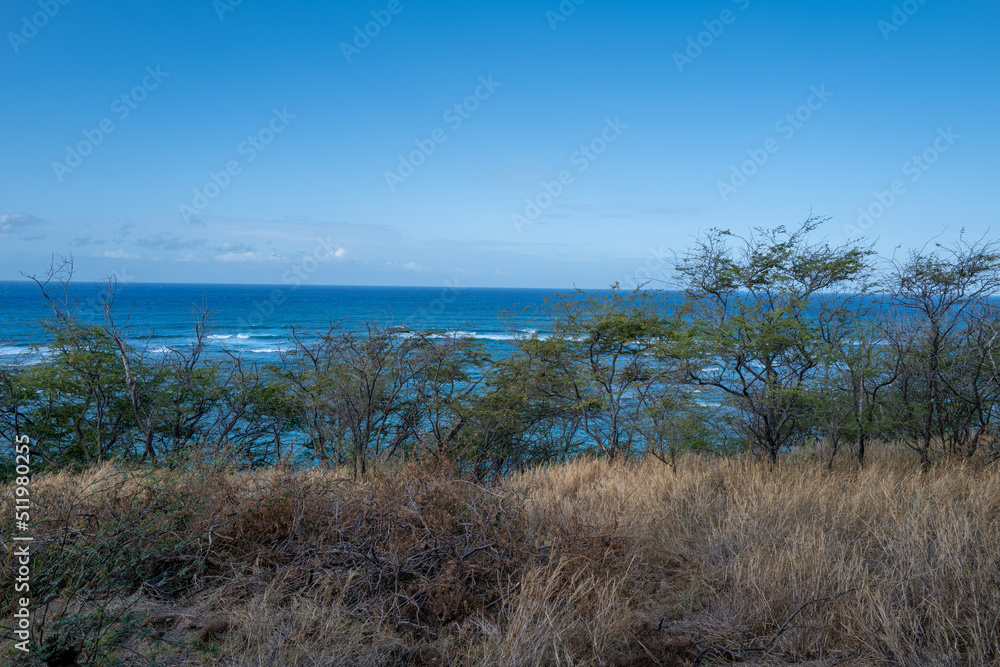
[736, 652]
[472, 551]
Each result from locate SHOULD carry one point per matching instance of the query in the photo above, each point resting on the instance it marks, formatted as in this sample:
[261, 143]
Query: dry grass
[721, 560]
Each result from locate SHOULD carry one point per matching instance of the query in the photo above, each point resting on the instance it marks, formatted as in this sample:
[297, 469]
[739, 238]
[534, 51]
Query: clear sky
[504, 143]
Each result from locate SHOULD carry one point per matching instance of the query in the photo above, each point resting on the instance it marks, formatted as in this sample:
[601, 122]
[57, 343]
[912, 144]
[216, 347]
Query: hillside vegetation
[714, 560]
[790, 458]
[768, 343]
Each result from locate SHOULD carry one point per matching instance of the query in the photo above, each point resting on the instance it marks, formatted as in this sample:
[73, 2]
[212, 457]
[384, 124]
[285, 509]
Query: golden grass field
[582, 564]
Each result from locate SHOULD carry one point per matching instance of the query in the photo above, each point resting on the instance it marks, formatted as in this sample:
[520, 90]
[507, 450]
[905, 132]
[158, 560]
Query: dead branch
[785, 627]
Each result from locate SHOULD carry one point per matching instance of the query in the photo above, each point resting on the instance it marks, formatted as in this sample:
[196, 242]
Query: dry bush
[299, 630]
[414, 554]
[562, 613]
[737, 547]
[415, 545]
[725, 560]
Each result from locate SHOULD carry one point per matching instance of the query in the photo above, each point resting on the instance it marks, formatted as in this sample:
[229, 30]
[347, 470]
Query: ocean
[256, 320]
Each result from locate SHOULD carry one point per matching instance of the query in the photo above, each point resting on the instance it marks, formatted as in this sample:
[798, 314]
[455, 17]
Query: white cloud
[167, 241]
[231, 246]
[248, 256]
[10, 222]
[413, 266]
[240, 257]
[339, 253]
[117, 254]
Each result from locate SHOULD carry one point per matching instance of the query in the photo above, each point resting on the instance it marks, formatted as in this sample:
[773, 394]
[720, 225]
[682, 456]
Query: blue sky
[250, 141]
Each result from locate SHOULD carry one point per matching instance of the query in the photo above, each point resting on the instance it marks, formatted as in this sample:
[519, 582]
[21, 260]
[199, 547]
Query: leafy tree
[73, 403]
[522, 418]
[449, 371]
[601, 369]
[861, 367]
[350, 391]
[945, 295]
[751, 326]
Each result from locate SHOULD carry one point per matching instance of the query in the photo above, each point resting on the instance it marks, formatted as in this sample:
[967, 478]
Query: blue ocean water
[256, 320]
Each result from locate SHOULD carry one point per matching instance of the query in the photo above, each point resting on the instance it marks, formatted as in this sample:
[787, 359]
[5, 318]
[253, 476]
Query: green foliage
[73, 404]
[775, 341]
[88, 638]
[601, 369]
[753, 323]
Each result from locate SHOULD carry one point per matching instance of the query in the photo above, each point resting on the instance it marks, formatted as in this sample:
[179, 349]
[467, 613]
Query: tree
[519, 418]
[449, 370]
[74, 403]
[945, 296]
[600, 370]
[751, 325]
[863, 362]
[351, 391]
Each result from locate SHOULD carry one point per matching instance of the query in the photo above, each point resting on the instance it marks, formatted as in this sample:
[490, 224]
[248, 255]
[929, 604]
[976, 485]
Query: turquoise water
[256, 320]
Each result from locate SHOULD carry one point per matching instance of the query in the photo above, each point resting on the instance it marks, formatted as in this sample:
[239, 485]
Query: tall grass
[714, 560]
